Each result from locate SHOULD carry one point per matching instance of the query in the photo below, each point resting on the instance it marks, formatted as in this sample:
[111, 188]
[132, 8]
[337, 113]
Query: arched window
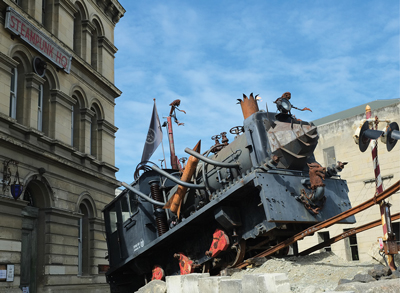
[17, 92]
[84, 241]
[72, 124]
[75, 124]
[94, 133]
[44, 12]
[77, 121]
[40, 109]
[13, 93]
[46, 112]
[78, 33]
[47, 14]
[96, 49]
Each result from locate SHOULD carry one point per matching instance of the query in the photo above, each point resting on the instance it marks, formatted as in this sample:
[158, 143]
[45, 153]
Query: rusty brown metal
[174, 203]
[174, 158]
[224, 140]
[217, 146]
[317, 174]
[327, 223]
[390, 247]
[346, 234]
[249, 105]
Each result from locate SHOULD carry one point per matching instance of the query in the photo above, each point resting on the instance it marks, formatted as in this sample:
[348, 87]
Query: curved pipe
[209, 161]
[176, 180]
[143, 195]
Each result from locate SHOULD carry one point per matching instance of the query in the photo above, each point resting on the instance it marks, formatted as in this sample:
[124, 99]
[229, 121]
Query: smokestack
[249, 105]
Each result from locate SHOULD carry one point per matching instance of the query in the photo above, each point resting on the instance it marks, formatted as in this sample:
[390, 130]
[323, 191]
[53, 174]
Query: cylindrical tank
[235, 152]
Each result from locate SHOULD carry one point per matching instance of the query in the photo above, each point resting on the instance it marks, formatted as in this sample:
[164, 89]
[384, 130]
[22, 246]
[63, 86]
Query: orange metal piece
[220, 243]
[185, 264]
[158, 273]
[174, 203]
[249, 105]
[327, 223]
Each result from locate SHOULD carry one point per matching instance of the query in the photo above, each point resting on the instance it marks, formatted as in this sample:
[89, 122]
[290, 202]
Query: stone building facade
[57, 98]
[336, 143]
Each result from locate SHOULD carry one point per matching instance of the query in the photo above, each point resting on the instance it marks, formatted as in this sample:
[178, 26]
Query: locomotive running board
[327, 223]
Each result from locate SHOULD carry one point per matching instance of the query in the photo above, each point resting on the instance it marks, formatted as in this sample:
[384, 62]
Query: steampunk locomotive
[229, 203]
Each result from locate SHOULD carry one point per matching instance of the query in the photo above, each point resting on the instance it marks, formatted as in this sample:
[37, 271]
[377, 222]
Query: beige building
[57, 98]
[336, 143]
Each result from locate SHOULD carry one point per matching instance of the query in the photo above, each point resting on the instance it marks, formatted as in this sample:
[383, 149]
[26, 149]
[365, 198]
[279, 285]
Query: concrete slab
[190, 282]
[250, 283]
[174, 284]
[274, 283]
[231, 286]
[211, 284]
[155, 286]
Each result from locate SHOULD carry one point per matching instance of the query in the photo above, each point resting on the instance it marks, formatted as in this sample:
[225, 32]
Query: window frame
[40, 108]
[13, 93]
[352, 250]
[329, 160]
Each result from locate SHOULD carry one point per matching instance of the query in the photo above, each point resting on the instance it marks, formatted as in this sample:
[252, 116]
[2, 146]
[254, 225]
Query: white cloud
[332, 55]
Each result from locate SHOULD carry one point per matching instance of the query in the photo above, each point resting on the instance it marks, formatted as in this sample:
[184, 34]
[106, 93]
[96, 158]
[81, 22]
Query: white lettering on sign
[138, 245]
[38, 40]
[10, 273]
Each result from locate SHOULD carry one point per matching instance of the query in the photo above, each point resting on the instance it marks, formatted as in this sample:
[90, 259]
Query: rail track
[325, 224]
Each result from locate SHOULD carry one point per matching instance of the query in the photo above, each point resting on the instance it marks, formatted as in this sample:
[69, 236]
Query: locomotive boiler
[228, 203]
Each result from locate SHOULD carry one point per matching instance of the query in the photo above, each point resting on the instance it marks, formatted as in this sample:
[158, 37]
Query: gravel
[319, 272]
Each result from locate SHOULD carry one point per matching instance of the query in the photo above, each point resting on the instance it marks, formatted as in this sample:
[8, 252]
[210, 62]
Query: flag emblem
[154, 135]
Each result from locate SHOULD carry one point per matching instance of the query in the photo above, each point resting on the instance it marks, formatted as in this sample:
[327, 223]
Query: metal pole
[383, 206]
[174, 163]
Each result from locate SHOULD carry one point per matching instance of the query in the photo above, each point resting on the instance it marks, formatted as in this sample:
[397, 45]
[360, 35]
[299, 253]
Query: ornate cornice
[62, 98]
[107, 127]
[106, 43]
[7, 63]
[112, 9]
[67, 5]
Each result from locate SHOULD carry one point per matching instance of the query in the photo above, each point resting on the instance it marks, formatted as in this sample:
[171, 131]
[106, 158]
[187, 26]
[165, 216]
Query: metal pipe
[395, 134]
[142, 194]
[176, 180]
[174, 161]
[212, 162]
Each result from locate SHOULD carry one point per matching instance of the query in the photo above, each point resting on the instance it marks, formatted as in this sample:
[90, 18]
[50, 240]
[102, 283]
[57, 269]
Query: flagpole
[162, 145]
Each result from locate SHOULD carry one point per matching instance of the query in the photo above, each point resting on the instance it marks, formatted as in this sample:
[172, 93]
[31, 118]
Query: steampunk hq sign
[20, 26]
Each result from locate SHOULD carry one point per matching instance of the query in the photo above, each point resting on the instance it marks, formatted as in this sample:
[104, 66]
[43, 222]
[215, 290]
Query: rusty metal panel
[391, 247]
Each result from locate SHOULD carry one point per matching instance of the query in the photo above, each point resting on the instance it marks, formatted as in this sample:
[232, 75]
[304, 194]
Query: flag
[154, 136]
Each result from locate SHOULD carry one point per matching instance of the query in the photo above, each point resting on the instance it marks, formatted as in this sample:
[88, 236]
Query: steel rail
[346, 234]
[327, 223]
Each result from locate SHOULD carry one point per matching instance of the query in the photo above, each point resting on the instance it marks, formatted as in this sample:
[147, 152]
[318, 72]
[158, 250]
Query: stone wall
[359, 174]
[53, 233]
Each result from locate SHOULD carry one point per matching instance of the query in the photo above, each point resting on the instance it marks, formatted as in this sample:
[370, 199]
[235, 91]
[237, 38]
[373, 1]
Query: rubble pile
[315, 273]
[324, 272]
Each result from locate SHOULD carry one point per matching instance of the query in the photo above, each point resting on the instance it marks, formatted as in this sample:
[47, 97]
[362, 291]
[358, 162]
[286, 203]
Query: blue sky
[330, 54]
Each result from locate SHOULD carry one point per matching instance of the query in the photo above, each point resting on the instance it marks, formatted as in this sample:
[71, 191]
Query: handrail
[210, 161]
[176, 180]
[138, 192]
